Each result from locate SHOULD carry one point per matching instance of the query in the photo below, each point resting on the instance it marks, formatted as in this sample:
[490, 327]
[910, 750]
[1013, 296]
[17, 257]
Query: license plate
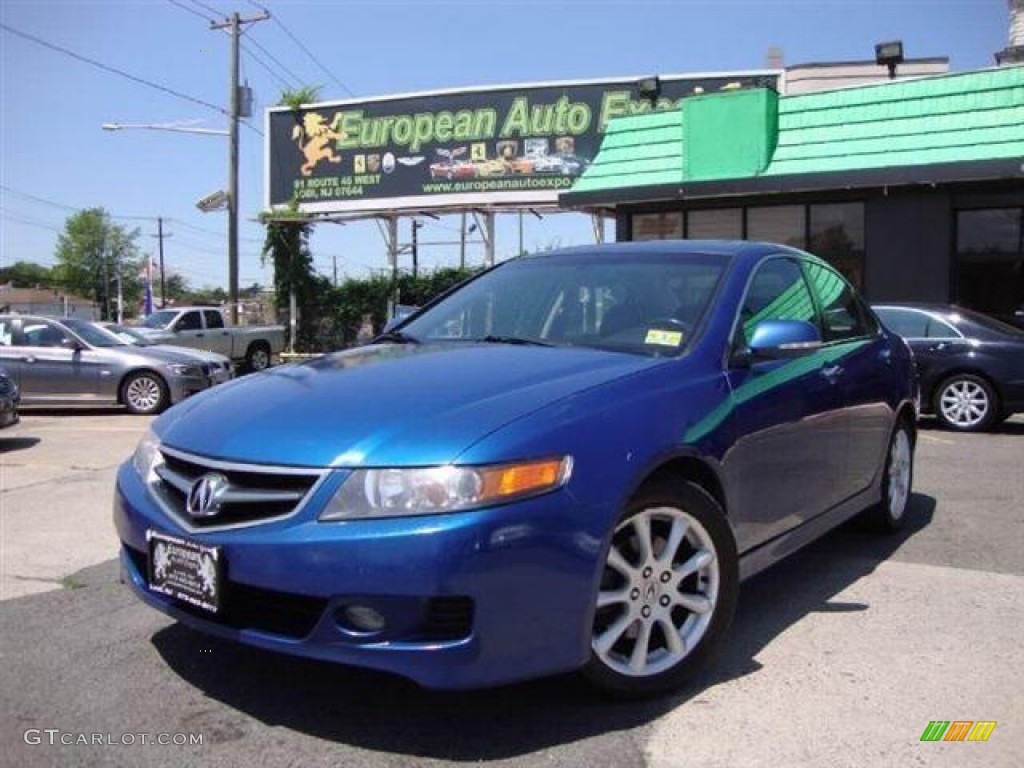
[185, 570]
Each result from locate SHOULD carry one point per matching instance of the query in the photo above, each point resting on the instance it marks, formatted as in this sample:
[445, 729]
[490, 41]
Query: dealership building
[913, 188]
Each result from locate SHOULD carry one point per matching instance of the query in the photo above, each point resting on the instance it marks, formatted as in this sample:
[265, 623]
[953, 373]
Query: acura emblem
[204, 495]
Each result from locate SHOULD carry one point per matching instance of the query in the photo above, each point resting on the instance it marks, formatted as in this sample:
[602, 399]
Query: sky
[55, 158]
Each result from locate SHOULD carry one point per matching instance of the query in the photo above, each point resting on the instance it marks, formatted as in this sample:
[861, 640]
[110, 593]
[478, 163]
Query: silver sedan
[69, 361]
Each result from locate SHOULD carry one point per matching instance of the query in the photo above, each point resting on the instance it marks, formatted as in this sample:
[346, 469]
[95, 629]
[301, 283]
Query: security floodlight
[889, 55]
[649, 88]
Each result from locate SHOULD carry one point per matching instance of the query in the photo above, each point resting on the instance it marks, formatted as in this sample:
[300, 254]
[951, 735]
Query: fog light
[363, 618]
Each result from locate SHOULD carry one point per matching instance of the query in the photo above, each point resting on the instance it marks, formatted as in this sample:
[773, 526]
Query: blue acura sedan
[569, 462]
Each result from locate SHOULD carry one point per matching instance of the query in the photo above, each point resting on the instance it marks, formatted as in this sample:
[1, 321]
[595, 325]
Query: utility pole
[415, 249]
[234, 23]
[160, 239]
[462, 242]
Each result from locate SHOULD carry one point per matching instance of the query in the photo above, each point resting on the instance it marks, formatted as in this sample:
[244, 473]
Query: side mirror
[783, 339]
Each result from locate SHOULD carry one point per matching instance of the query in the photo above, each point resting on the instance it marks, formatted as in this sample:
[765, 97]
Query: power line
[181, 223]
[73, 209]
[193, 11]
[305, 50]
[114, 70]
[269, 55]
[207, 8]
[281, 81]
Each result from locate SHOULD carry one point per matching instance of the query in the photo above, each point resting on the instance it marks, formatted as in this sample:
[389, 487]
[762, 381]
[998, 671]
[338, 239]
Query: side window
[777, 291]
[42, 334]
[908, 323]
[190, 321]
[6, 332]
[940, 329]
[214, 319]
[843, 315]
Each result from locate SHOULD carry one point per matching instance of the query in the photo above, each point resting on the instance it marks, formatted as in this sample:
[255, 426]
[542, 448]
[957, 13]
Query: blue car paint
[767, 440]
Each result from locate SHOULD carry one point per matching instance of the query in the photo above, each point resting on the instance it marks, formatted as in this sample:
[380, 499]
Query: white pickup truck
[206, 328]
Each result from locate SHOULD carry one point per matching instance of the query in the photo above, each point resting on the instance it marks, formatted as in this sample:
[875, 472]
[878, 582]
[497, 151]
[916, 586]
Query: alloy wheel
[658, 592]
[143, 394]
[964, 403]
[899, 474]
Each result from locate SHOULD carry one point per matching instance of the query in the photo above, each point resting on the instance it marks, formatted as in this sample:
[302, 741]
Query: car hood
[384, 405]
[157, 355]
[189, 354]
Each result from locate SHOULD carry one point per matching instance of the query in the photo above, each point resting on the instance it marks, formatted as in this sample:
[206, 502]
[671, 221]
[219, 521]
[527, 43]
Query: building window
[658, 226]
[990, 261]
[837, 235]
[785, 224]
[719, 224]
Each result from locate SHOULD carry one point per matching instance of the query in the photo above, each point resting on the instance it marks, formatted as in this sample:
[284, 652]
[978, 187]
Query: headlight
[185, 370]
[147, 456]
[429, 490]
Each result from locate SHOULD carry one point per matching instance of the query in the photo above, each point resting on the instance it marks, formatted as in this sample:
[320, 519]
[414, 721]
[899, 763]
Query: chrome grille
[255, 493]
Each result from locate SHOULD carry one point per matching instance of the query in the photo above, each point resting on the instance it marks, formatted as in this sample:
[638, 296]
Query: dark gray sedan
[69, 361]
[971, 365]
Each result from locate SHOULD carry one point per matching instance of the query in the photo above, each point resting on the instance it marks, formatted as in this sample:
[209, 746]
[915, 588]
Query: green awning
[966, 125]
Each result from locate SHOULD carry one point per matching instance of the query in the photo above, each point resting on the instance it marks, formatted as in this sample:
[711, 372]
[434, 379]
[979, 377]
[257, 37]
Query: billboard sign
[515, 145]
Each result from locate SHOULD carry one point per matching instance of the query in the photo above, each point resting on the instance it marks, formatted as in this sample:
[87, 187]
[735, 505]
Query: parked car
[567, 165]
[568, 462]
[205, 328]
[69, 361]
[9, 399]
[216, 366]
[971, 365]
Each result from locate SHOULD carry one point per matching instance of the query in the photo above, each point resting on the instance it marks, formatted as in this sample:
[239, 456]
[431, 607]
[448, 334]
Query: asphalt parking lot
[840, 656]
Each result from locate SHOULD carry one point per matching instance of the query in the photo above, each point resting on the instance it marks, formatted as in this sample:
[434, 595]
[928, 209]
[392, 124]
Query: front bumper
[471, 599]
[181, 387]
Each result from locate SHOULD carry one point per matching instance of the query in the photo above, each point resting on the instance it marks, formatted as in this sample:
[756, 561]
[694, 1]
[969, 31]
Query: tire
[667, 592]
[144, 393]
[966, 403]
[897, 481]
[257, 357]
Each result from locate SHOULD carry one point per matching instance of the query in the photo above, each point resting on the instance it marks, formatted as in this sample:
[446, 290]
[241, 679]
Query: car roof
[741, 249]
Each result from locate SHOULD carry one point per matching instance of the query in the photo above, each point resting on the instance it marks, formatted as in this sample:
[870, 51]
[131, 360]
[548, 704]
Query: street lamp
[232, 189]
[164, 127]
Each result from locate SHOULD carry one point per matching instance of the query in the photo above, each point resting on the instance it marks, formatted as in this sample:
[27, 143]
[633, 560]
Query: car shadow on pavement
[11, 444]
[375, 711]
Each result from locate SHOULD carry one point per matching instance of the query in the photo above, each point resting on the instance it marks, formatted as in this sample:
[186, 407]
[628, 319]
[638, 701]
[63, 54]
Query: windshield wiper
[493, 339]
[396, 337]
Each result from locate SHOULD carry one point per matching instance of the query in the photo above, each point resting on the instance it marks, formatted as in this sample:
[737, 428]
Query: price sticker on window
[664, 338]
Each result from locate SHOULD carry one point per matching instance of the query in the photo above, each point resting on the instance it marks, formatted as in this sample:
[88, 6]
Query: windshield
[647, 304]
[159, 319]
[91, 333]
[128, 335]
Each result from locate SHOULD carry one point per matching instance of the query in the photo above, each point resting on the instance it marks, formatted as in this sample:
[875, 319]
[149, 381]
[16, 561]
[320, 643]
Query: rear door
[862, 363]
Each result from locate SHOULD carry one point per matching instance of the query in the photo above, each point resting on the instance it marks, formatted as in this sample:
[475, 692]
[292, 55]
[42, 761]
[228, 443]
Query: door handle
[832, 372]
[28, 359]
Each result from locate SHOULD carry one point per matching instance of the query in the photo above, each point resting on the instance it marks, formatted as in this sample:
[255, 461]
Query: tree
[25, 274]
[296, 283]
[92, 253]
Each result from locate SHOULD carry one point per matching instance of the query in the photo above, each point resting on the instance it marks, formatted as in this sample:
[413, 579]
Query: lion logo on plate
[205, 494]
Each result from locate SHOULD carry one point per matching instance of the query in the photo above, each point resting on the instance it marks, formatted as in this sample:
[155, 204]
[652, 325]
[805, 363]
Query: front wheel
[667, 592]
[144, 393]
[257, 358]
[966, 403]
[897, 481]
